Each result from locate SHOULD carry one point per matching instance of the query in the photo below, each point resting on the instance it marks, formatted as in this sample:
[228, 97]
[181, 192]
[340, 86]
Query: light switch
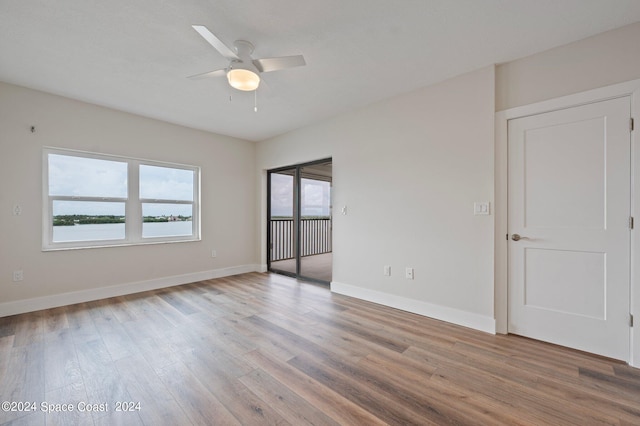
[481, 208]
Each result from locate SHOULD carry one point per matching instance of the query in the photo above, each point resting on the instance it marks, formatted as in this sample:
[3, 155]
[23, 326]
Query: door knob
[516, 237]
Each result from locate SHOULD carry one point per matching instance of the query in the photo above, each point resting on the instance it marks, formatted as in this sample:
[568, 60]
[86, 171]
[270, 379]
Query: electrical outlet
[408, 273]
[17, 210]
[387, 270]
[18, 275]
[214, 253]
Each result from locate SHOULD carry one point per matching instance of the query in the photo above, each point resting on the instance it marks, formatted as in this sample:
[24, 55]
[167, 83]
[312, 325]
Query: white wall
[604, 59]
[409, 169]
[59, 277]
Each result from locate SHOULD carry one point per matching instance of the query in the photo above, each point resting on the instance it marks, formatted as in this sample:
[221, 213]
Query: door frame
[296, 216]
[631, 89]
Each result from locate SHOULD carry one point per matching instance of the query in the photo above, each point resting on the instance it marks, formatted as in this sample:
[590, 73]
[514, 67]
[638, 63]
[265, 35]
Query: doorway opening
[299, 221]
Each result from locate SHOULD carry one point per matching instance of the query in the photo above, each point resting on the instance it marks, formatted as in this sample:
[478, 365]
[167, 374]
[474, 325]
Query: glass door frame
[297, 196]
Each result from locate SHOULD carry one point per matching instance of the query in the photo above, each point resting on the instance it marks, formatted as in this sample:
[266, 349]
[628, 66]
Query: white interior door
[569, 201]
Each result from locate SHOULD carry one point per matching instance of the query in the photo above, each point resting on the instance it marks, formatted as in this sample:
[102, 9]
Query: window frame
[132, 203]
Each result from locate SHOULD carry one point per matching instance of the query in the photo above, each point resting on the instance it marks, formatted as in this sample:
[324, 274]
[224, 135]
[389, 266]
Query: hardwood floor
[259, 349]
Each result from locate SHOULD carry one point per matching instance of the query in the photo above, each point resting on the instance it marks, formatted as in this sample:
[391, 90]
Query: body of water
[115, 231]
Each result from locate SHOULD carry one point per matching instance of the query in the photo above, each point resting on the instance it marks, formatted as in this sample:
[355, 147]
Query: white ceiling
[134, 55]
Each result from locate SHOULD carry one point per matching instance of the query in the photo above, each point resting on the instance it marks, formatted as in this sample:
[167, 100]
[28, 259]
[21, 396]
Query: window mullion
[133, 205]
[93, 199]
[157, 201]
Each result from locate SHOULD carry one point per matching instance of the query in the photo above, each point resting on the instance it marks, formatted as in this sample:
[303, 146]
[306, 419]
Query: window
[95, 200]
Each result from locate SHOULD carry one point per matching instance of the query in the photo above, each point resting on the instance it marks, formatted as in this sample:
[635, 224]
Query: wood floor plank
[168, 310]
[157, 352]
[102, 380]
[27, 419]
[233, 342]
[466, 410]
[24, 379]
[199, 405]
[341, 344]
[81, 324]
[8, 326]
[362, 330]
[6, 345]
[561, 390]
[219, 372]
[288, 404]
[258, 349]
[360, 393]
[55, 319]
[62, 366]
[111, 331]
[29, 329]
[73, 395]
[120, 310]
[175, 299]
[325, 398]
[266, 343]
[529, 401]
[156, 404]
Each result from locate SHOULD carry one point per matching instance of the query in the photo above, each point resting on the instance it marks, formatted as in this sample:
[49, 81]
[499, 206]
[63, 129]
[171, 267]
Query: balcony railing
[315, 237]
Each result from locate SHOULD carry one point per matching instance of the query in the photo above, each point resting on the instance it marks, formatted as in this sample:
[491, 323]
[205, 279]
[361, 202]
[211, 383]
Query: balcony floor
[318, 266]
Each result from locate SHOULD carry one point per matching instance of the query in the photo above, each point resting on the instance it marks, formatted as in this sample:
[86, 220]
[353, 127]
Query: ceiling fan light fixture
[243, 79]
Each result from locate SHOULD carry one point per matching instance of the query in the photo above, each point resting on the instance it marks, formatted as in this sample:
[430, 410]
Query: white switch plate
[387, 270]
[18, 276]
[17, 210]
[481, 208]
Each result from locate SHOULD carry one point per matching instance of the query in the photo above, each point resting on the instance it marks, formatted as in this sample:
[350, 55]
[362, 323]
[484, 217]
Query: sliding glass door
[299, 221]
[282, 228]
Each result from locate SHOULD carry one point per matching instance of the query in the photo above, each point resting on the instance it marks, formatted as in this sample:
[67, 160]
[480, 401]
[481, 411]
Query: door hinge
[630, 320]
[630, 222]
[631, 125]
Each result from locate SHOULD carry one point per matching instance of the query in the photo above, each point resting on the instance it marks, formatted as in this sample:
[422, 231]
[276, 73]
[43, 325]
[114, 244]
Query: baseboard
[263, 268]
[70, 298]
[443, 313]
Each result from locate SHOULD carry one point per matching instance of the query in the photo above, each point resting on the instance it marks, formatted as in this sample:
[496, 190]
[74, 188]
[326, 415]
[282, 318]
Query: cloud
[316, 196]
[166, 183]
[87, 177]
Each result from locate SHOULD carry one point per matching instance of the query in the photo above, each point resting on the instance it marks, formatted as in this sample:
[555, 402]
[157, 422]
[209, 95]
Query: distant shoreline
[78, 219]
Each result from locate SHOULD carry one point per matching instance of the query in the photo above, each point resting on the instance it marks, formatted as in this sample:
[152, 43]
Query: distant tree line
[148, 219]
[81, 219]
[171, 218]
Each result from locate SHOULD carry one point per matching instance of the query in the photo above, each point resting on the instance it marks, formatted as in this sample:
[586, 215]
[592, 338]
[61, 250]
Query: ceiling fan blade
[215, 73]
[275, 64]
[215, 42]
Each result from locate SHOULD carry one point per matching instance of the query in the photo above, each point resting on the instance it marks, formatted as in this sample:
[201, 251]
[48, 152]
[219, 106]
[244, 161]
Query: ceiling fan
[243, 72]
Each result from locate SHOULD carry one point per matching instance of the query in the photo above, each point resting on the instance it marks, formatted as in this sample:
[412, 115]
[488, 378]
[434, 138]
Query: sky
[88, 177]
[316, 196]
